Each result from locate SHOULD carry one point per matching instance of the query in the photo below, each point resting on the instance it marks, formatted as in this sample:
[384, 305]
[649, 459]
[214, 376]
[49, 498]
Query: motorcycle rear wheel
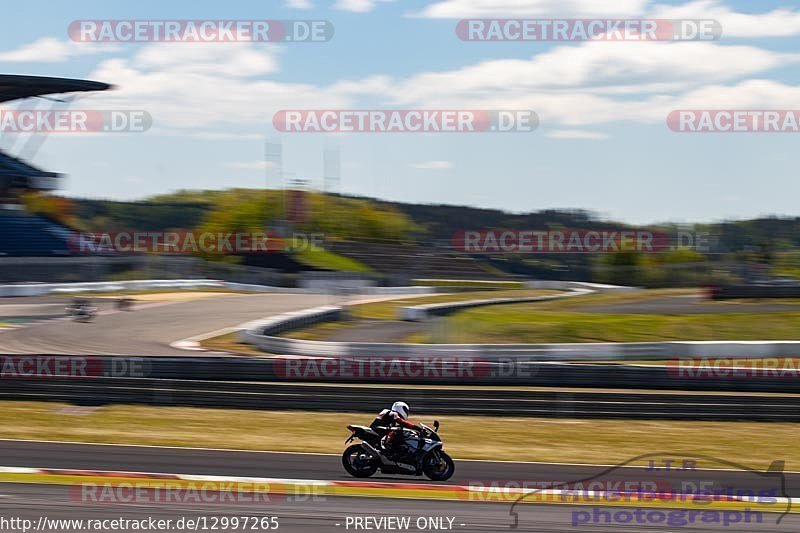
[358, 461]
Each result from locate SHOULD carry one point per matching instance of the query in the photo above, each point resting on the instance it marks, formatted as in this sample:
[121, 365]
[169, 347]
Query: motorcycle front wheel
[438, 466]
[358, 461]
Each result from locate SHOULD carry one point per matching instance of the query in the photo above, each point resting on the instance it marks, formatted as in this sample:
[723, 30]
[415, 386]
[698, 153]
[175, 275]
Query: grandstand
[17, 177]
[23, 235]
[412, 261]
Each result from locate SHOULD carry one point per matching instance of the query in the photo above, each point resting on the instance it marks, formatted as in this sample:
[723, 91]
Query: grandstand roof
[11, 166]
[14, 87]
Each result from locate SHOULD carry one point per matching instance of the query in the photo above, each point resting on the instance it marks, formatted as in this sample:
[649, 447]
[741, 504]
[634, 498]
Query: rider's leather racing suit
[386, 423]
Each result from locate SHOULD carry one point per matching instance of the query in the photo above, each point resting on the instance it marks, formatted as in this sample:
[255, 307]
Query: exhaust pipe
[387, 462]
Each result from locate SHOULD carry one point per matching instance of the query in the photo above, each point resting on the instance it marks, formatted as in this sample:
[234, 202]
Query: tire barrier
[725, 292]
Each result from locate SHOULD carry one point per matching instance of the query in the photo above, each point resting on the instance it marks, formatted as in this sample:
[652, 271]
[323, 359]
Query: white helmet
[401, 408]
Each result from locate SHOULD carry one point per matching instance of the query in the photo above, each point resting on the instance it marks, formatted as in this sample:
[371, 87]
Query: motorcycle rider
[78, 305]
[390, 422]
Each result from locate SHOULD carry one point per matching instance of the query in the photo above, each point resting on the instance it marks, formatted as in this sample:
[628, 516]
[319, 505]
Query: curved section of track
[150, 331]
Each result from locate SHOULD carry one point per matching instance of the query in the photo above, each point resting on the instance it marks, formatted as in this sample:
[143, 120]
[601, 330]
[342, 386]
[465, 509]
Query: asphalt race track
[328, 467]
[319, 513]
[150, 330]
[330, 514]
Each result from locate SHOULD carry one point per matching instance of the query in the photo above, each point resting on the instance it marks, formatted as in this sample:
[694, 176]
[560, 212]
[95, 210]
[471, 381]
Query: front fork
[421, 458]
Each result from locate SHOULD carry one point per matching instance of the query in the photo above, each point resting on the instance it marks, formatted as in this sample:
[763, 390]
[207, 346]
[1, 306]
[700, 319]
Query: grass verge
[563, 321]
[521, 323]
[230, 343]
[500, 438]
[389, 310]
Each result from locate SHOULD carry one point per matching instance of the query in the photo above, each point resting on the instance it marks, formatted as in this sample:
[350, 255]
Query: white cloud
[358, 6]
[202, 88]
[220, 136]
[230, 59]
[572, 87]
[251, 165]
[777, 23]
[749, 94]
[780, 22]
[183, 87]
[51, 50]
[298, 4]
[596, 67]
[576, 134]
[433, 165]
[457, 9]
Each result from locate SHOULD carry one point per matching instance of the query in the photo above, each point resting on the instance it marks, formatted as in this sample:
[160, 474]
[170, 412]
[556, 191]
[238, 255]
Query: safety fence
[244, 384]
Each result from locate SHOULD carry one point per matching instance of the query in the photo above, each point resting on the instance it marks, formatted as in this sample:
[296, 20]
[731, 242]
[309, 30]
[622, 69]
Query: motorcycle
[420, 453]
[82, 313]
[125, 304]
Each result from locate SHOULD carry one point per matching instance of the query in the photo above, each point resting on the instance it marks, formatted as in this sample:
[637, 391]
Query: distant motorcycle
[125, 304]
[82, 312]
[418, 454]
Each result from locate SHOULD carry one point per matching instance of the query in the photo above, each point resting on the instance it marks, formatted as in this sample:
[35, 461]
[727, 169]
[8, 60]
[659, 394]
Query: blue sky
[602, 143]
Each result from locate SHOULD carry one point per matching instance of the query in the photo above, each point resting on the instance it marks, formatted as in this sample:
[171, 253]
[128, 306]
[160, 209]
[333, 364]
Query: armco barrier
[247, 383]
[423, 312]
[294, 320]
[223, 369]
[635, 351]
[566, 285]
[41, 289]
